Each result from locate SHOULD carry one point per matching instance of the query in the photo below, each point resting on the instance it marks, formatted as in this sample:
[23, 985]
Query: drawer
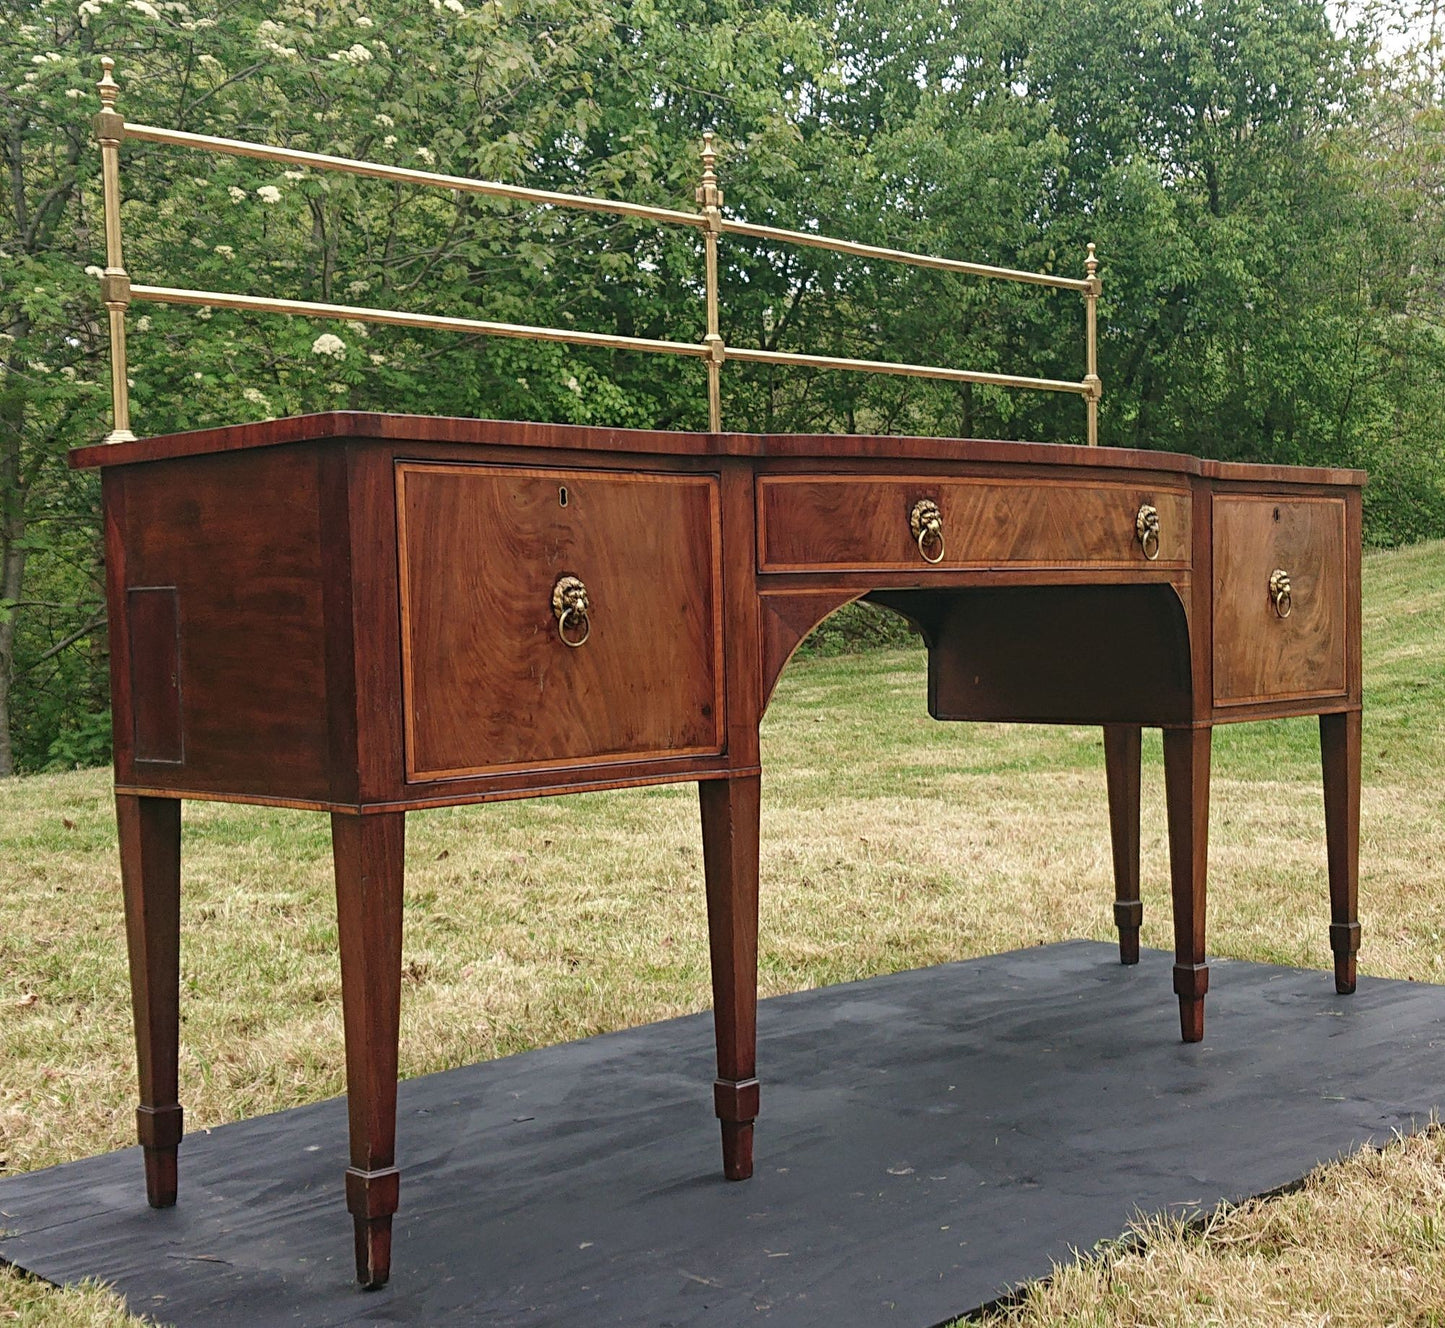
[489, 683]
[1259, 655]
[863, 523]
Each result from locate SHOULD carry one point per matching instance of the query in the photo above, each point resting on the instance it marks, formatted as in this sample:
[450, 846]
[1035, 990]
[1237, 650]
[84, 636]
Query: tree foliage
[1266, 193]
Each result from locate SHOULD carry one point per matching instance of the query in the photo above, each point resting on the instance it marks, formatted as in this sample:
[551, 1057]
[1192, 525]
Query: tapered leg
[1121, 772]
[150, 873]
[1186, 791]
[730, 809]
[1340, 757]
[369, 853]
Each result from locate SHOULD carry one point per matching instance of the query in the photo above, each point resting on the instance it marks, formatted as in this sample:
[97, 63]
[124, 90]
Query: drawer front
[1259, 655]
[863, 523]
[490, 685]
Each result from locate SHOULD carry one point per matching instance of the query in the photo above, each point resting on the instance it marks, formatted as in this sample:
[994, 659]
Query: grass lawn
[889, 842]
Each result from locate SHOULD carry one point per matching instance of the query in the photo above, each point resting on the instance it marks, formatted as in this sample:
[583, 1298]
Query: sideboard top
[346, 424]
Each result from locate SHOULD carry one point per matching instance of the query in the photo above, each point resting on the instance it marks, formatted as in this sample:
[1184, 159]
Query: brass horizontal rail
[236, 147]
[732, 227]
[907, 370]
[437, 322]
[117, 292]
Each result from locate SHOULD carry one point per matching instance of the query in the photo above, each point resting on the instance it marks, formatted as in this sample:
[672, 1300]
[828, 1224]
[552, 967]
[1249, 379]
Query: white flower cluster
[328, 343]
[93, 271]
[258, 398]
[268, 193]
[269, 35]
[385, 121]
[357, 54]
[144, 7]
[363, 22]
[238, 195]
[225, 251]
[294, 175]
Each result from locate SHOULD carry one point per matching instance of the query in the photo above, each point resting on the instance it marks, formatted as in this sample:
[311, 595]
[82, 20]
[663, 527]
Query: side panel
[219, 604]
[153, 637]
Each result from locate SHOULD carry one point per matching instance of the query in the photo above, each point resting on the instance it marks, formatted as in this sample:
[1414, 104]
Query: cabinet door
[490, 684]
[1260, 655]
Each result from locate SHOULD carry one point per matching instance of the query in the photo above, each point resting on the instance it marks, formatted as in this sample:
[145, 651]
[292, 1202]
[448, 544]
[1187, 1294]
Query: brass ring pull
[926, 522]
[569, 603]
[1279, 591]
[1146, 531]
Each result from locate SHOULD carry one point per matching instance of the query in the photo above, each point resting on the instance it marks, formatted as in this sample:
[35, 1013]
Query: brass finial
[1091, 263]
[708, 195]
[108, 87]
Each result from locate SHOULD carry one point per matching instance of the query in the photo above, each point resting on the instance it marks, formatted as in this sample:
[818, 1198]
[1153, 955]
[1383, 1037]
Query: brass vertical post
[114, 284]
[710, 198]
[1091, 345]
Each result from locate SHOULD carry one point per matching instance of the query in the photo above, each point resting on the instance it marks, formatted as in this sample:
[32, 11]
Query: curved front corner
[785, 619]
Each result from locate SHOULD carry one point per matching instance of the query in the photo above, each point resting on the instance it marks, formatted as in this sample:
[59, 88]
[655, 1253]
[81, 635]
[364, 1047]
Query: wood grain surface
[154, 656]
[489, 682]
[1340, 737]
[861, 522]
[342, 425]
[1186, 798]
[1059, 654]
[369, 853]
[236, 541]
[353, 612]
[1122, 746]
[150, 871]
[1257, 654]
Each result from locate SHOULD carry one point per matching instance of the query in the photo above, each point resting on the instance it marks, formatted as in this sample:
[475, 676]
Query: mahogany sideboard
[365, 613]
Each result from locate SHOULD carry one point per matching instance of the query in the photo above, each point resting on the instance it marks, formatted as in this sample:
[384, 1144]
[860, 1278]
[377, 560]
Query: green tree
[1266, 194]
[562, 93]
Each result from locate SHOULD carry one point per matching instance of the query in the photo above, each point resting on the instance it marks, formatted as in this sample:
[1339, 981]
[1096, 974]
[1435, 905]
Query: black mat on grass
[927, 1140]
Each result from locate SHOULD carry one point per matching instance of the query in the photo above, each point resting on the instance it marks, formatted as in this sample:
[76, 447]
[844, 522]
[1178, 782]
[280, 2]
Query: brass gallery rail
[117, 290]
